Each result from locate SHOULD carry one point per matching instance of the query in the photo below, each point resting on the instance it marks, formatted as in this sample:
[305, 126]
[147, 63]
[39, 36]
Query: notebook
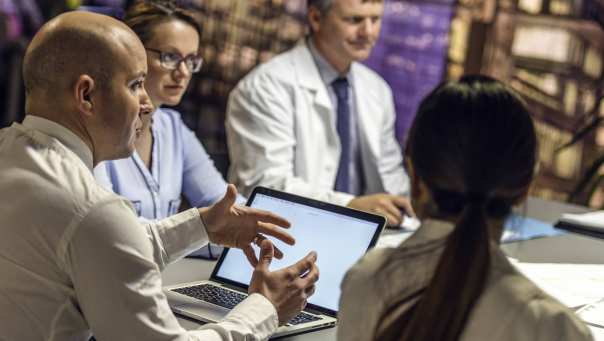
[339, 235]
[591, 224]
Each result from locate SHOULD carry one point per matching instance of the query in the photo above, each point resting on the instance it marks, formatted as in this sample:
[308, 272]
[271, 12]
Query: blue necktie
[340, 87]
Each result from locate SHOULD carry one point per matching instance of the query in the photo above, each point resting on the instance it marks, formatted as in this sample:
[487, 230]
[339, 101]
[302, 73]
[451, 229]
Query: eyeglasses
[171, 60]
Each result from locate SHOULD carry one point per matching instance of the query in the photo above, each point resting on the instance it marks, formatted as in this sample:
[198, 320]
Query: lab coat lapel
[310, 79]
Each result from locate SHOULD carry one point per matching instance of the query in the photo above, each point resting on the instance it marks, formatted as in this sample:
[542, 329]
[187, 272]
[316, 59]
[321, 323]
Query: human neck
[329, 54]
[63, 117]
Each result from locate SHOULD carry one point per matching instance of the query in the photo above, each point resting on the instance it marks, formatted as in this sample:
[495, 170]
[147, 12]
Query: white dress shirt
[329, 75]
[510, 308]
[75, 261]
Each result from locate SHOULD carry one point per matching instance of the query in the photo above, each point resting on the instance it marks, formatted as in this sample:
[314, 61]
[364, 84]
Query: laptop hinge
[315, 311]
[232, 287]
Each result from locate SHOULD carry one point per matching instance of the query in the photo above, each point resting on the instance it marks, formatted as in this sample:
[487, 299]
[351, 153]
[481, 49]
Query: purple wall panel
[411, 54]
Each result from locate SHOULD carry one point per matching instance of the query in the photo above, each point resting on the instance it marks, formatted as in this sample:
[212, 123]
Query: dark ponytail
[474, 146]
[458, 281]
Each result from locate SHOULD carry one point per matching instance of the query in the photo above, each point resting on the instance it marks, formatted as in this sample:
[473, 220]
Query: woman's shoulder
[545, 313]
[169, 124]
[513, 297]
[370, 264]
[167, 116]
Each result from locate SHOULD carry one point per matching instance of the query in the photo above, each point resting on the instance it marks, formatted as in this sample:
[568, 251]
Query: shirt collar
[64, 135]
[328, 73]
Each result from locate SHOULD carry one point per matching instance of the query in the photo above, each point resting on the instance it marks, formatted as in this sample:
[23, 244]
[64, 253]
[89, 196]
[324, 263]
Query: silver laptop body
[339, 235]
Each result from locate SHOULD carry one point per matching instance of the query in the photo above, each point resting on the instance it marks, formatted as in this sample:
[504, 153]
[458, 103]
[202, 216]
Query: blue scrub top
[179, 165]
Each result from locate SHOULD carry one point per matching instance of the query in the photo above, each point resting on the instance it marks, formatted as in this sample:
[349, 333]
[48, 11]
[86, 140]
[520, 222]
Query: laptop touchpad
[201, 310]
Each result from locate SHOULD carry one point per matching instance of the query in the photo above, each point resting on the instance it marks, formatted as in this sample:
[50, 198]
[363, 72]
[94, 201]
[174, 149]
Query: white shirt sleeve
[176, 236]
[115, 273]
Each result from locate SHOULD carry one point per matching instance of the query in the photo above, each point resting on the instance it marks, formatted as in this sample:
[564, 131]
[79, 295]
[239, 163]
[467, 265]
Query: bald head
[73, 44]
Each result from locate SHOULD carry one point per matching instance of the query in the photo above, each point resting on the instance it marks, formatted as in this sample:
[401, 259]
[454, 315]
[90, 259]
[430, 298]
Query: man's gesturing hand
[239, 226]
[288, 289]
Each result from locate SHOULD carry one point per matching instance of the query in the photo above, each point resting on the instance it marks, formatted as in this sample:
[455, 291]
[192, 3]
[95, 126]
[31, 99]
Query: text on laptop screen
[339, 241]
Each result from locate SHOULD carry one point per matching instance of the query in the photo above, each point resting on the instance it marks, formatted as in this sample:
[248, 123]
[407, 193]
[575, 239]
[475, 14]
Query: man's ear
[314, 18]
[83, 89]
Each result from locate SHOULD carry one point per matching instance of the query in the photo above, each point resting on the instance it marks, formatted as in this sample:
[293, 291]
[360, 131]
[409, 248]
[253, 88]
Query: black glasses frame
[189, 60]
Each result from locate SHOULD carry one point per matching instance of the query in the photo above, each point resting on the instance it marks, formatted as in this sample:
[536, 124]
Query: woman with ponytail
[470, 155]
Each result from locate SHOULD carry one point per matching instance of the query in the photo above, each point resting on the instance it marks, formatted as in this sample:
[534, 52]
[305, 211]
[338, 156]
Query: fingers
[405, 204]
[229, 197]
[305, 264]
[267, 252]
[310, 290]
[277, 232]
[250, 255]
[278, 253]
[307, 282]
[267, 217]
[258, 241]
[394, 215]
[392, 220]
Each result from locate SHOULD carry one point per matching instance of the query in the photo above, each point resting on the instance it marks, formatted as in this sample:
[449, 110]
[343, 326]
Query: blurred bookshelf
[237, 35]
[552, 53]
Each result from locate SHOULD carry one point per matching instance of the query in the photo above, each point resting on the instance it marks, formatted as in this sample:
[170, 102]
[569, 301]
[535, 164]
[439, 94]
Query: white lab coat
[281, 130]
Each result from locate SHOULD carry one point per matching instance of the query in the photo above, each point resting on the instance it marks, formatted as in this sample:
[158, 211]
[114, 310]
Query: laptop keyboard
[303, 317]
[213, 294]
[229, 299]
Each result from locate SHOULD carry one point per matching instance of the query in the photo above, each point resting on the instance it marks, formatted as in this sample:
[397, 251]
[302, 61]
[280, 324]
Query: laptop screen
[339, 235]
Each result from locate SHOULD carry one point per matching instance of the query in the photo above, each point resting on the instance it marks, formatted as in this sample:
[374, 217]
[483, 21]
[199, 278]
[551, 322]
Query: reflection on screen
[339, 241]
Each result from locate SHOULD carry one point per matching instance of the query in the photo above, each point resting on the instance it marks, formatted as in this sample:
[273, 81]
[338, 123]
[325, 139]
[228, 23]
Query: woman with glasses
[169, 160]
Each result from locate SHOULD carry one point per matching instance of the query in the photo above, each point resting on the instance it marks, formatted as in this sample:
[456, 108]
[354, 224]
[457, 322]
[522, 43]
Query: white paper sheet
[393, 239]
[572, 284]
[598, 333]
[593, 313]
[591, 219]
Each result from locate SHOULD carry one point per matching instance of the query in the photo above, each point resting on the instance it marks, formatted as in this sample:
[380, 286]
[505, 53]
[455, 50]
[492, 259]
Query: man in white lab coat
[315, 122]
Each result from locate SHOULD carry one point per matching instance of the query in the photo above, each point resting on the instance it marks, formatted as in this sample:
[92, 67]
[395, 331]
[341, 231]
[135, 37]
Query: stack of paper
[593, 313]
[572, 284]
[591, 223]
[598, 333]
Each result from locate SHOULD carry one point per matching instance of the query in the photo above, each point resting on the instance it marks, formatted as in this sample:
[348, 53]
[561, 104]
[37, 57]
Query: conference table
[565, 248]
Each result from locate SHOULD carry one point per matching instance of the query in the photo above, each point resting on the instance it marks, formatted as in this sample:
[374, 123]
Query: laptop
[340, 235]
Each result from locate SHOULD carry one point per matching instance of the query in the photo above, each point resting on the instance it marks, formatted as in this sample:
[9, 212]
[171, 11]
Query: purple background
[411, 54]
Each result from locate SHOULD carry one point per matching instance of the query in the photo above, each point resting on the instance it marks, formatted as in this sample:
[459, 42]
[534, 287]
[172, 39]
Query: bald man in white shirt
[74, 259]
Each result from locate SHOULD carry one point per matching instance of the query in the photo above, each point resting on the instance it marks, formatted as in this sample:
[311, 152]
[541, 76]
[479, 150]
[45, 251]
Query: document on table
[393, 239]
[593, 313]
[591, 223]
[598, 333]
[519, 228]
[572, 284]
